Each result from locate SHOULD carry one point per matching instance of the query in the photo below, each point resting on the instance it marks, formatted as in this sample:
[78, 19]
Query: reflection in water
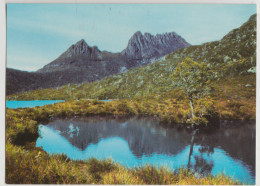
[139, 141]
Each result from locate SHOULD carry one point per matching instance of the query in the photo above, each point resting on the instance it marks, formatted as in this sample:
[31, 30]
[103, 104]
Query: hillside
[238, 44]
[233, 56]
[83, 63]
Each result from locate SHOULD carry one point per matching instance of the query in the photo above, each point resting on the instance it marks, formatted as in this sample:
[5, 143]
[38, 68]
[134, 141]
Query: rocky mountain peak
[76, 51]
[137, 34]
[82, 48]
[78, 48]
[147, 45]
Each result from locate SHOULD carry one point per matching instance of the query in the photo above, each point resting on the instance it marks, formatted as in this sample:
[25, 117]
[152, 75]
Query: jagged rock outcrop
[146, 46]
[141, 50]
[78, 50]
[81, 47]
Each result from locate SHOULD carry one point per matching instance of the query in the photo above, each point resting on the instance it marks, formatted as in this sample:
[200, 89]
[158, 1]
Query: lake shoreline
[24, 122]
[169, 115]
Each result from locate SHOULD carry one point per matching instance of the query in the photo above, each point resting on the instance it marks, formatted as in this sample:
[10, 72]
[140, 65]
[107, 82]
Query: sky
[39, 33]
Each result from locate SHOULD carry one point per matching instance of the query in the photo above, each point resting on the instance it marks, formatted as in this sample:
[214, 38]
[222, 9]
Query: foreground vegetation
[36, 166]
[27, 164]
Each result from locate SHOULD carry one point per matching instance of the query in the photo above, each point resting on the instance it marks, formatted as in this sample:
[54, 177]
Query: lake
[35, 103]
[139, 141]
[31, 103]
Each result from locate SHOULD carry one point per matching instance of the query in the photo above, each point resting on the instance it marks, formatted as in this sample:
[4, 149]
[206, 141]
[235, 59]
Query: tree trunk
[191, 106]
[191, 150]
[191, 146]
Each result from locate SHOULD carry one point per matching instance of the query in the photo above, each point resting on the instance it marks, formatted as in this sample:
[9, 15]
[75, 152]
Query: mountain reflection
[143, 135]
[136, 141]
[238, 141]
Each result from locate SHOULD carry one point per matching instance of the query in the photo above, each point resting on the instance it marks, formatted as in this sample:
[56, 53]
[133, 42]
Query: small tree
[194, 78]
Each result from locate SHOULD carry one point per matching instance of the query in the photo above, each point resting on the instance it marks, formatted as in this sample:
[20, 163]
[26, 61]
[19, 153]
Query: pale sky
[38, 33]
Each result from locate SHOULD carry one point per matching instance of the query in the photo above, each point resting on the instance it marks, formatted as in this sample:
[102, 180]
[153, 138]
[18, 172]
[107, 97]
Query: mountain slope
[83, 63]
[237, 44]
[233, 55]
[17, 81]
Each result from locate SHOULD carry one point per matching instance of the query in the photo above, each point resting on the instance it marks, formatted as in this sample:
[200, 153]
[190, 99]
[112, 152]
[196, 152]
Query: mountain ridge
[140, 49]
[82, 63]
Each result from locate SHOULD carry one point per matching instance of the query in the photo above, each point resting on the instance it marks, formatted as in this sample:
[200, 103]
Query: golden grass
[35, 166]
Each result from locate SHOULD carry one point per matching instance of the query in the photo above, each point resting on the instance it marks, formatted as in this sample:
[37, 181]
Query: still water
[140, 141]
[32, 103]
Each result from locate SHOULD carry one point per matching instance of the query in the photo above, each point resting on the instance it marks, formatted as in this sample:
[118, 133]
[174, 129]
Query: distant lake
[35, 103]
[139, 141]
[32, 103]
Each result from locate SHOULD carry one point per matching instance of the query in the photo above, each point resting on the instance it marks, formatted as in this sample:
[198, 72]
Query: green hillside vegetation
[239, 44]
[139, 82]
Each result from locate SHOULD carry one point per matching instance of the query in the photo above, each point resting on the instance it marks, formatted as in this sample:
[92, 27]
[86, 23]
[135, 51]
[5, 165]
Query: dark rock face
[81, 47]
[19, 81]
[79, 50]
[82, 63]
[141, 50]
[146, 46]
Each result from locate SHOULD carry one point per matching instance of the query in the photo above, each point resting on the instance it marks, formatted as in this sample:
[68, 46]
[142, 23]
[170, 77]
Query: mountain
[233, 55]
[146, 46]
[141, 50]
[80, 55]
[83, 63]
